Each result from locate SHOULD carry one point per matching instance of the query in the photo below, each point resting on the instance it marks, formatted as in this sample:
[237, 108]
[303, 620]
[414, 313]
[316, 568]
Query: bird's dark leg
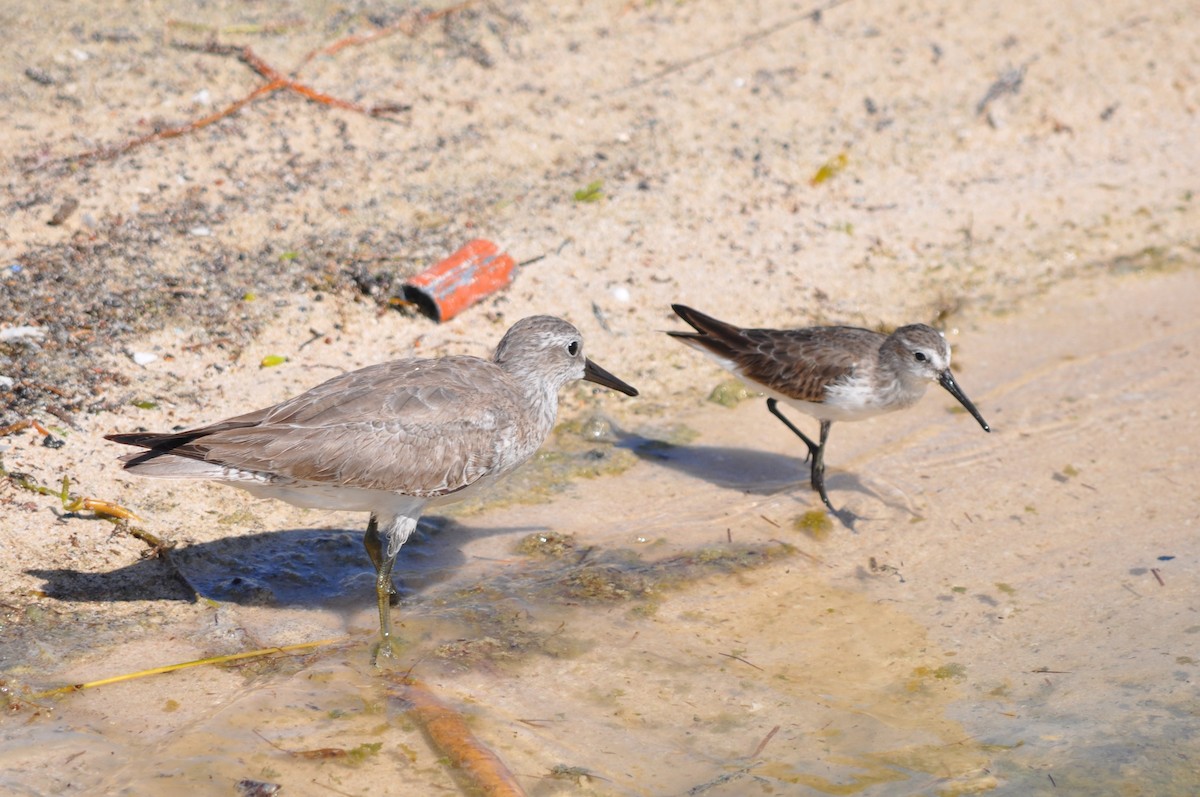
[773, 406]
[818, 466]
[815, 450]
[384, 589]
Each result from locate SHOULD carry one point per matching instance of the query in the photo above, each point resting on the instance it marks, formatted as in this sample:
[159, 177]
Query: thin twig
[410, 26]
[111, 153]
[763, 743]
[740, 44]
[739, 658]
[276, 81]
[28, 423]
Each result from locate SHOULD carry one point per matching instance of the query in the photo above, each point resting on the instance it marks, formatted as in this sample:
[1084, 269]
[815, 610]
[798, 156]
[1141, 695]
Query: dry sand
[1013, 612]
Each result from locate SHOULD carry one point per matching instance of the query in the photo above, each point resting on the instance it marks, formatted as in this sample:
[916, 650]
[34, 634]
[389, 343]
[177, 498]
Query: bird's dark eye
[573, 348]
[920, 356]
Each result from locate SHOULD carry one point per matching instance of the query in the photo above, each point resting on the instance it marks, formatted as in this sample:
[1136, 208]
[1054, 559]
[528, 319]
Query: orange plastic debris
[456, 283]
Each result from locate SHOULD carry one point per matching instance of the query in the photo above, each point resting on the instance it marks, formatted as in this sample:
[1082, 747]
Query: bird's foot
[845, 516]
[386, 652]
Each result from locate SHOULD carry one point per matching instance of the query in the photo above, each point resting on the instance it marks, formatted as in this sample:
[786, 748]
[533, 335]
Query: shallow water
[637, 667]
[1012, 613]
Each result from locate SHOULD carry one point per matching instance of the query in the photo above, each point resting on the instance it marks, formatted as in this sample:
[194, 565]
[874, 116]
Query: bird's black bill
[594, 373]
[946, 380]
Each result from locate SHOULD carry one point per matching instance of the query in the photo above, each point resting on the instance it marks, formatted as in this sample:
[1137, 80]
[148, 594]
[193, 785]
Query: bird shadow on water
[748, 470]
[291, 567]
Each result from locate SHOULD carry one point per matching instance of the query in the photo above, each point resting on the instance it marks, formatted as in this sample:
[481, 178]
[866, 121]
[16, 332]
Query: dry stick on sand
[449, 733]
[101, 510]
[276, 81]
[28, 423]
[741, 44]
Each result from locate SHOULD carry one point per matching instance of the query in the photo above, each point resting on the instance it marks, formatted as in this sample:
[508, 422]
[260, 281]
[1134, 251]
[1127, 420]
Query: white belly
[315, 495]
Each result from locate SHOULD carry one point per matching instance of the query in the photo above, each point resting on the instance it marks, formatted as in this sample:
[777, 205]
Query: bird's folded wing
[798, 364]
[399, 456]
[415, 426]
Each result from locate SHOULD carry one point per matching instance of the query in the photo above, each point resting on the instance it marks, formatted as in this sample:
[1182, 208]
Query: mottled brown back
[797, 363]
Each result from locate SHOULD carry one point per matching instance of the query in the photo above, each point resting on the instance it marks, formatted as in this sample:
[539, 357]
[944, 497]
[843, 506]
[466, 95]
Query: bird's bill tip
[946, 380]
[594, 373]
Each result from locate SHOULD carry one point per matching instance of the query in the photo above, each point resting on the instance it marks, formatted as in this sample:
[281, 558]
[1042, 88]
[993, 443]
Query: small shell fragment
[21, 333]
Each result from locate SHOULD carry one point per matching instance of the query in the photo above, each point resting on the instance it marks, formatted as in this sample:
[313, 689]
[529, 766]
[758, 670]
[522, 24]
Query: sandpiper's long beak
[946, 380]
[594, 373]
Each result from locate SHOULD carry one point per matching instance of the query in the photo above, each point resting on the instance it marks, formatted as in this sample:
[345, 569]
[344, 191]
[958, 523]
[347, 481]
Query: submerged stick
[181, 666]
[448, 731]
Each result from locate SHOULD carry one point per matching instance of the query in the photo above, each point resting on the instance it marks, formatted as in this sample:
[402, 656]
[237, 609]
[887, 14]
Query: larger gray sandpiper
[391, 439]
[831, 373]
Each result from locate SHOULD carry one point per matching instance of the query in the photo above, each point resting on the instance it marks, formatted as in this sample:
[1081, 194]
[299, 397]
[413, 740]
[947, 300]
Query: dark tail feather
[141, 457]
[160, 444]
[167, 455]
[139, 439]
[717, 336]
[165, 441]
[704, 324]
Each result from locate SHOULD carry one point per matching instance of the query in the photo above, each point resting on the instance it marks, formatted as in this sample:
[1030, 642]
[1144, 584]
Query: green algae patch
[622, 575]
[731, 392]
[814, 523]
[493, 630]
[357, 755]
[947, 671]
[547, 545]
[958, 768]
[590, 428]
[830, 169]
[1149, 260]
[240, 518]
[603, 585]
[923, 676]
[491, 623]
[592, 192]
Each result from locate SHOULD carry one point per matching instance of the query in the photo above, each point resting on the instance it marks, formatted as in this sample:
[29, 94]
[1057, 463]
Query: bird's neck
[541, 396]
